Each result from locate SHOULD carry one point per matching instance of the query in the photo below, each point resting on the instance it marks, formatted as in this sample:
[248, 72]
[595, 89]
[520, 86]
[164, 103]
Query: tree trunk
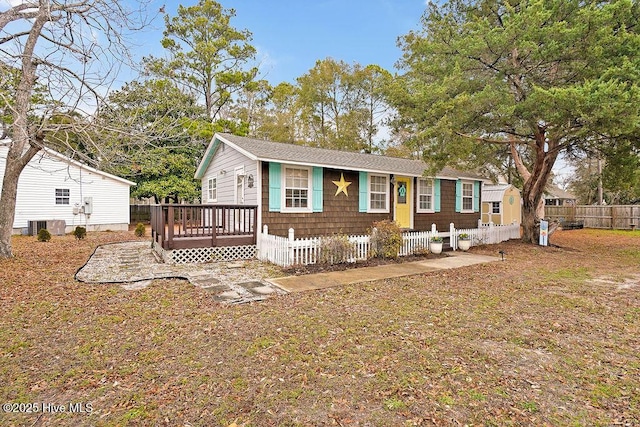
[545, 154]
[14, 166]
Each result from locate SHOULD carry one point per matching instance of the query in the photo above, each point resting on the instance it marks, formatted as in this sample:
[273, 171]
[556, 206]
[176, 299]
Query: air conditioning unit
[35, 226]
[54, 226]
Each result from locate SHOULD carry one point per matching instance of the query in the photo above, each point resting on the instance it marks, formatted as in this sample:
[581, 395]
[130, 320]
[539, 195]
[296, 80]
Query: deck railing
[199, 226]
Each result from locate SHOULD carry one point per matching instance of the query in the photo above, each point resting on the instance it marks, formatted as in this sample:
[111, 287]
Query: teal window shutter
[458, 196]
[476, 196]
[316, 186]
[436, 195]
[363, 191]
[275, 182]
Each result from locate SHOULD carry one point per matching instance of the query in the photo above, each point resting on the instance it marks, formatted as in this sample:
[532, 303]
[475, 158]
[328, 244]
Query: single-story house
[501, 204]
[555, 196]
[320, 191]
[60, 193]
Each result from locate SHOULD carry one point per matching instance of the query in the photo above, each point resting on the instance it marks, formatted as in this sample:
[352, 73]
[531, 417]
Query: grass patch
[534, 339]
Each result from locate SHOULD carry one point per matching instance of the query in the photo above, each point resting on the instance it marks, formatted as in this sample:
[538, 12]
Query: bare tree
[71, 49]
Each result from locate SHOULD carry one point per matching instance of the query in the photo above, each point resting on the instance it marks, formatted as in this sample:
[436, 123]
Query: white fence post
[434, 231]
[453, 241]
[291, 243]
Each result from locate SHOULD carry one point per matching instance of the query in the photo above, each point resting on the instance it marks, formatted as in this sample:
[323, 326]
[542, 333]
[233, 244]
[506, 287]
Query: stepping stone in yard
[262, 290]
[250, 285]
[205, 283]
[228, 295]
[216, 288]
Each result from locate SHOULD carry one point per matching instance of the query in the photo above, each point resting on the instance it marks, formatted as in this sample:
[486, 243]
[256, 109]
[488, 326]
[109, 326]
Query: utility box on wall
[88, 205]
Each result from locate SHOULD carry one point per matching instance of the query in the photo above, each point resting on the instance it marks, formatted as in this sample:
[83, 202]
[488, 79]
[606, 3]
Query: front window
[378, 193]
[212, 190]
[425, 195]
[62, 196]
[296, 189]
[467, 196]
[495, 207]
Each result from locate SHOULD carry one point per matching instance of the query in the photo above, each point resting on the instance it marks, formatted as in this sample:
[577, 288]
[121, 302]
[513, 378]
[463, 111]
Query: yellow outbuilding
[501, 204]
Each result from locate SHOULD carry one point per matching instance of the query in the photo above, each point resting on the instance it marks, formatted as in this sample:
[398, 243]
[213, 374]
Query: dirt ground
[550, 336]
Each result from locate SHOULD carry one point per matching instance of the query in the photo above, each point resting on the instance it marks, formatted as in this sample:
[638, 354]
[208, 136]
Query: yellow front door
[403, 202]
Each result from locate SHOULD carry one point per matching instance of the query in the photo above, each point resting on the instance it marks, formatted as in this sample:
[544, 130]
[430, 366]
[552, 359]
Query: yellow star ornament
[342, 185]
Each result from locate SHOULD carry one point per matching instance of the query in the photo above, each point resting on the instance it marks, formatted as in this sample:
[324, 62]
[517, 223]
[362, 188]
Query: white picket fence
[287, 251]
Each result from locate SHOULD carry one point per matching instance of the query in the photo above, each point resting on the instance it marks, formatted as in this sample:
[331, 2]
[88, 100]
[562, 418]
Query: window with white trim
[297, 189]
[212, 190]
[495, 207]
[62, 196]
[378, 193]
[425, 195]
[467, 197]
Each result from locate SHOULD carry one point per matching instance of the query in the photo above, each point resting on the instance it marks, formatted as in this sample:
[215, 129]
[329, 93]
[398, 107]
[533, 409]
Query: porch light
[250, 181]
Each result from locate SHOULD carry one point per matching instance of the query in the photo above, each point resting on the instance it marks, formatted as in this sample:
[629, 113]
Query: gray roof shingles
[282, 152]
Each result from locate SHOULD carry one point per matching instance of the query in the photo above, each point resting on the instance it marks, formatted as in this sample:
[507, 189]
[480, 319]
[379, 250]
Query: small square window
[495, 207]
[62, 196]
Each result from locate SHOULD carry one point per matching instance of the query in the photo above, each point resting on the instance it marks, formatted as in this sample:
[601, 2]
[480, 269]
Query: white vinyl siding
[46, 173]
[297, 189]
[425, 196]
[222, 167]
[378, 193]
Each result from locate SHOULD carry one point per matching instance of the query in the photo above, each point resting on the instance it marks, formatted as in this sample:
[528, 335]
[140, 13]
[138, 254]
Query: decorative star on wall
[342, 185]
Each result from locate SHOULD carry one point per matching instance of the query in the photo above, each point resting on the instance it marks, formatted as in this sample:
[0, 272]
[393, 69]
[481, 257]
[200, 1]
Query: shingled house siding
[339, 214]
[447, 214]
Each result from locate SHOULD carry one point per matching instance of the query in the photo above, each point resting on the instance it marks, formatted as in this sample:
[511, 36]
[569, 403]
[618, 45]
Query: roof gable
[61, 157]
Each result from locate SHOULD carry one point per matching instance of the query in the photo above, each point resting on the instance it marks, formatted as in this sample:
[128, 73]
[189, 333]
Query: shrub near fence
[288, 251]
[621, 217]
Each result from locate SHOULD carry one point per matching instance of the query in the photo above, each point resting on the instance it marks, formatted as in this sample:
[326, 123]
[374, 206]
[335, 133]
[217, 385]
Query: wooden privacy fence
[287, 251]
[140, 213]
[622, 217]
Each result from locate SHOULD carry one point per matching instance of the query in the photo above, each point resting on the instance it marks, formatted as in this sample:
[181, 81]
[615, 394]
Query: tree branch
[491, 140]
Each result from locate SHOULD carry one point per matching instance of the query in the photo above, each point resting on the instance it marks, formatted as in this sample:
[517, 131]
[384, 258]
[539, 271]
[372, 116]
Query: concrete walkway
[316, 281]
[134, 265]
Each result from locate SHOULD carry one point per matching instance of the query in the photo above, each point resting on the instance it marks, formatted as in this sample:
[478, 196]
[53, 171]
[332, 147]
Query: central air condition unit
[35, 226]
[54, 226]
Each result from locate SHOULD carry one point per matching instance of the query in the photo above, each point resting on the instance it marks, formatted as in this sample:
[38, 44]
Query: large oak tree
[541, 77]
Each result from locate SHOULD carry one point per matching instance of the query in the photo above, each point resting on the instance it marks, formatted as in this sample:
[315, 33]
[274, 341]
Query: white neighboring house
[55, 188]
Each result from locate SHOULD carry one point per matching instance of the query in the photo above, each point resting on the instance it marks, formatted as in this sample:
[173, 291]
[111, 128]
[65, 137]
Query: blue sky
[291, 35]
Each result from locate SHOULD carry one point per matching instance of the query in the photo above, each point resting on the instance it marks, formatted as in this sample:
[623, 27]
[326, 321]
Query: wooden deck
[202, 226]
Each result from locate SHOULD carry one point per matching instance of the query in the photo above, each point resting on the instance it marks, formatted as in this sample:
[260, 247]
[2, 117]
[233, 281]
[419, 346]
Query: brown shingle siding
[447, 214]
[340, 213]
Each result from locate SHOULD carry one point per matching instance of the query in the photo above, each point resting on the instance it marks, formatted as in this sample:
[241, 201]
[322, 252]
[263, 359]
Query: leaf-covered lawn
[550, 336]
